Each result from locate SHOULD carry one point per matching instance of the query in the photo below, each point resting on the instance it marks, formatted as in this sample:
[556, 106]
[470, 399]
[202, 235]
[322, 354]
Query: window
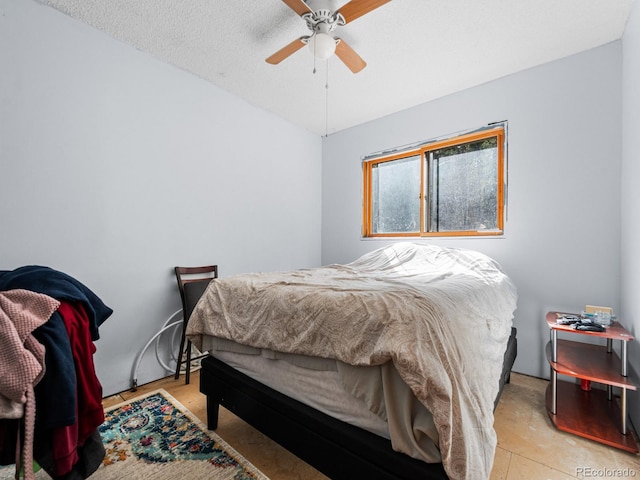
[452, 187]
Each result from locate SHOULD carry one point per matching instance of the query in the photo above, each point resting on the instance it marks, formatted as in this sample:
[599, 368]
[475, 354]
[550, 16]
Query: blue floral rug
[155, 437]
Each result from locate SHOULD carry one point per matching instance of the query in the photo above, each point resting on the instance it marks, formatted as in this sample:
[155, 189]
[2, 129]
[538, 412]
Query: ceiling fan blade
[349, 57]
[298, 6]
[357, 8]
[284, 52]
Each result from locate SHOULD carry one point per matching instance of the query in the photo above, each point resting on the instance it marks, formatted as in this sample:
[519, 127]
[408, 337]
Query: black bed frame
[337, 449]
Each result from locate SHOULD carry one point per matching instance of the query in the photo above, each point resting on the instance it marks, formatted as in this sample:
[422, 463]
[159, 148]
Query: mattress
[373, 398]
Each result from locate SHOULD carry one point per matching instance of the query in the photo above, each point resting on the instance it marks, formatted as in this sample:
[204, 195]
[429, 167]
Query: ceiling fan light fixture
[322, 45]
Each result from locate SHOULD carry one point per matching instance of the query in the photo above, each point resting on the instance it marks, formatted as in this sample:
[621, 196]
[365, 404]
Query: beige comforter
[441, 315]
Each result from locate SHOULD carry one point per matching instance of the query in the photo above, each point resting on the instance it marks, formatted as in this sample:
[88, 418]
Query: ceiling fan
[322, 23]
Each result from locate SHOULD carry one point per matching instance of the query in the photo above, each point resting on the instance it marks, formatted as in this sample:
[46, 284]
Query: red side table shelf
[594, 413]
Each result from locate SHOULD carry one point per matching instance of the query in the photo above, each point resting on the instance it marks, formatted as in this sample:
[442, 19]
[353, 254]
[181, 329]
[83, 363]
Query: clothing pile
[50, 396]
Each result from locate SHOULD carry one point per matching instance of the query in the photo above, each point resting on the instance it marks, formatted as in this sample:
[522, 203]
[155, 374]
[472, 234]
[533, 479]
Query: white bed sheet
[318, 388]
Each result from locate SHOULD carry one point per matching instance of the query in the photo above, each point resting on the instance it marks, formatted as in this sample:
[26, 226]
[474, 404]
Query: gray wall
[116, 167]
[562, 235]
[631, 196]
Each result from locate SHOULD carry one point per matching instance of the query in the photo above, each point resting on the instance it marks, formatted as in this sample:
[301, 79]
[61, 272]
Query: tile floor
[529, 446]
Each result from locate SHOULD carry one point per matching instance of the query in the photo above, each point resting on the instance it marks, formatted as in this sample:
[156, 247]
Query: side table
[596, 413]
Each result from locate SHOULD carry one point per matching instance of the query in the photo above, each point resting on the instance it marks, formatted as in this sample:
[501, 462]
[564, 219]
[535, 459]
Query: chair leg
[188, 372]
[180, 353]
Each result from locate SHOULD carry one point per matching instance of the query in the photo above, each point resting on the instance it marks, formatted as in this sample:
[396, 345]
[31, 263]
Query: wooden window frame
[422, 151]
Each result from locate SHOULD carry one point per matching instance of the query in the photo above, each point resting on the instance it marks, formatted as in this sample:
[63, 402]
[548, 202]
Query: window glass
[395, 196]
[463, 187]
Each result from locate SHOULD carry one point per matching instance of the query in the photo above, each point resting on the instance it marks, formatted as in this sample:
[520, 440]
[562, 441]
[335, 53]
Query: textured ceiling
[416, 50]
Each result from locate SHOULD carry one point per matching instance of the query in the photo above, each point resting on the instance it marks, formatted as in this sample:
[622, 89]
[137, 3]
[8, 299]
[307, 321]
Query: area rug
[155, 437]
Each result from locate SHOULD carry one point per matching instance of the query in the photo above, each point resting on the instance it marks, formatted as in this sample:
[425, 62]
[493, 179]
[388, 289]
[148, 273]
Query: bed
[386, 367]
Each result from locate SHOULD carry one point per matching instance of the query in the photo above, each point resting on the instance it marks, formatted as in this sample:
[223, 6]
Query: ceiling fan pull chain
[326, 107]
[314, 58]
